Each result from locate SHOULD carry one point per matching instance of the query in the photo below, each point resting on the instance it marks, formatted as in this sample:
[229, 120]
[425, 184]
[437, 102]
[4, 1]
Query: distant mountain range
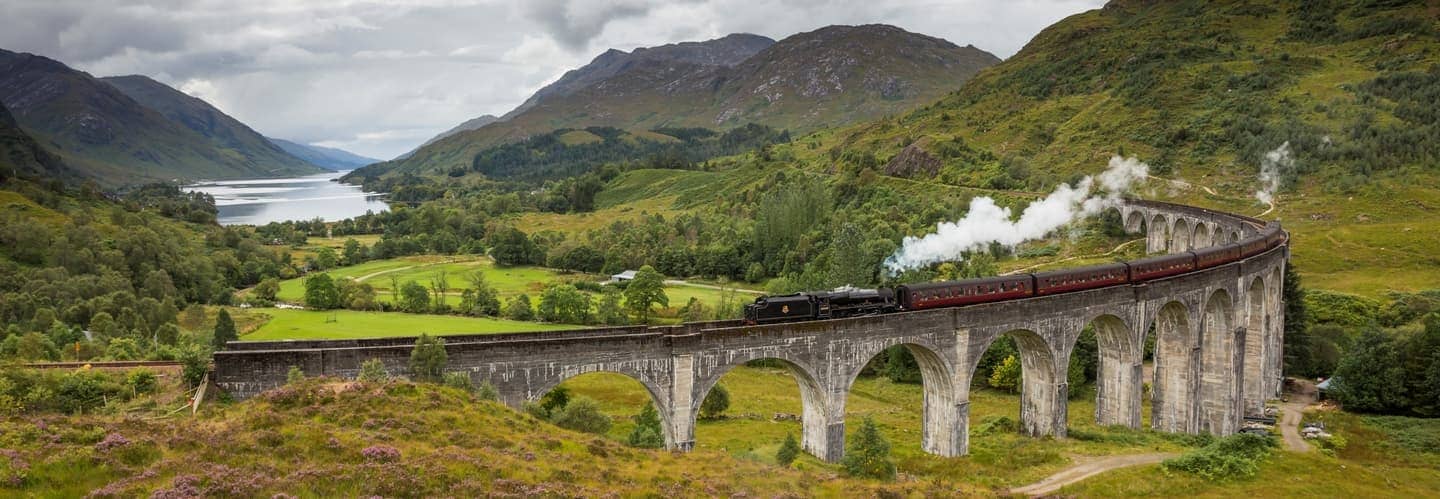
[325, 157]
[827, 77]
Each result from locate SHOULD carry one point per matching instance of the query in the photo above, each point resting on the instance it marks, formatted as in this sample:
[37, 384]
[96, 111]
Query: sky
[379, 77]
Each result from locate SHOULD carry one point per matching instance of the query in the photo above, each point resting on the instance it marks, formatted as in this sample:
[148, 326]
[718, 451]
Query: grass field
[508, 281]
[287, 324]
[997, 458]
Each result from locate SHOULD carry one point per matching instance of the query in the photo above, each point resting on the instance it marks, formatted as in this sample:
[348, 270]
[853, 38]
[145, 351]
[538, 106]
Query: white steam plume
[987, 222]
[1272, 168]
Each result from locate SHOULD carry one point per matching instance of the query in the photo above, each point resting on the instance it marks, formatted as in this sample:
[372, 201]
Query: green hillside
[1202, 91]
[103, 133]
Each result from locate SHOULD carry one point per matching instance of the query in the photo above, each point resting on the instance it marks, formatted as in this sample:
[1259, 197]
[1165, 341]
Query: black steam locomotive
[851, 302]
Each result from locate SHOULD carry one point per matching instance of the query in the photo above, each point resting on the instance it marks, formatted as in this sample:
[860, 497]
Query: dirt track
[1086, 470]
[1291, 412]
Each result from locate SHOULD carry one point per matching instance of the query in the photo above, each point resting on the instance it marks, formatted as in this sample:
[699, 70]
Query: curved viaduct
[1217, 355]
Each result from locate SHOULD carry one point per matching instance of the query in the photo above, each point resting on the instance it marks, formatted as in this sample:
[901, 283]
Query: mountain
[108, 135]
[20, 155]
[470, 124]
[721, 52]
[225, 132]
[831, 76]
[325, 157]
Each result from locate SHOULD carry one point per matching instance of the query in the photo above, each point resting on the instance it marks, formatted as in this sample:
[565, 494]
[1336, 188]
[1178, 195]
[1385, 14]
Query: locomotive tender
[851, 302]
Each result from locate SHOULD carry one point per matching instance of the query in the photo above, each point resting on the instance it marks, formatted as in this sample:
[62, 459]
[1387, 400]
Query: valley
[626, 212]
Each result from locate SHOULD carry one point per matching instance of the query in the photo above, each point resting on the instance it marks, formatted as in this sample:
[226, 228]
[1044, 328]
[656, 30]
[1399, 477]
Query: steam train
[851, 302]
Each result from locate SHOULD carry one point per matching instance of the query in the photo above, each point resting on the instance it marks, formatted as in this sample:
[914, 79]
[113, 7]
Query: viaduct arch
[1218, 350]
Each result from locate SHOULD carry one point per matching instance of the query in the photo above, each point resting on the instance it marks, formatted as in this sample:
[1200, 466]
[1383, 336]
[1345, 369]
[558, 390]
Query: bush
[788, 451]
[715, 403]
[487, 391]
[373, 371]
[142, 381]
[582, 414]
[294, 375]
[1232, 457]
[1007, 375]
[194, 364]
[868, 454]
[459, 380]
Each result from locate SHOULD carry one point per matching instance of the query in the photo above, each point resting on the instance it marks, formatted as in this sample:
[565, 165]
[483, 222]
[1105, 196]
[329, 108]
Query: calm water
[262, 201]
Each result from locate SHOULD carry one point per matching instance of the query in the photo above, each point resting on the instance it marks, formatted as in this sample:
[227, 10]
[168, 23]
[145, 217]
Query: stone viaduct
[1217, 355]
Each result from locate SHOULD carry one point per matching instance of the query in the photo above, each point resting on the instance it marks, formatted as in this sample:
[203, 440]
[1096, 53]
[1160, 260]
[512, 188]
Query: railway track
[113, 364]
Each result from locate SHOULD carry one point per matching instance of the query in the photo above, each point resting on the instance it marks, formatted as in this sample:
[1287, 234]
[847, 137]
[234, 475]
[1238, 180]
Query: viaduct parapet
[1217, 353]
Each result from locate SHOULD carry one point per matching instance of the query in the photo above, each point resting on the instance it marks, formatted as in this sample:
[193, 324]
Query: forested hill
[828, 77]
[105, 134]
[1204, 91]
[21, 156]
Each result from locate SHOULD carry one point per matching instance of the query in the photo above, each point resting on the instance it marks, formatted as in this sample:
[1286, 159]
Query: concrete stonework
[1217, 354]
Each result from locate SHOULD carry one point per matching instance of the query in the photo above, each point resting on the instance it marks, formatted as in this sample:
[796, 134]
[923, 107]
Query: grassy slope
[1365, 241]
[309, 442]
[287, 324]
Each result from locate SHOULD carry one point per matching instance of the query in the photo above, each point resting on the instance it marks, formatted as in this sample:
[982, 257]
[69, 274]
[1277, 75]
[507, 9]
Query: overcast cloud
[378, 77]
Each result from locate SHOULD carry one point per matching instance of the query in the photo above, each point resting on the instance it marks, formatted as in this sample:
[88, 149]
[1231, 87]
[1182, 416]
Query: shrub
[715, 403]
[381, 454]
[1007, 375]
[647, 432]
[582, 414]
[459, 380]
[294, 375]
[141, 381]
[868, 454]
[373, 371]
[194, 364]
[487, 391]
[789, 451]
[427, 360]
[1231, 457]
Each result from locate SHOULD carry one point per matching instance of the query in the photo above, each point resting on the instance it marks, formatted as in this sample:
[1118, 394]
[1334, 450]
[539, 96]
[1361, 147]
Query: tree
[582, 414]
[509, 246]
[1007, 375]
[481, 298]
[564, 303]
[428, 358]
[320, 292]
[414, 298]
[519, 308]
[715, 403]
[267, 289]
[647, 433]
[1371, 377]
[167, 334]
[849, 264]
[224, 330]
[609, 310]
[1297, 349]
[354, 252]
[373, 371]
[789, 451]
[439, 284]
[900, 365]
[103, 327]
[325, 259]
[868, 454]
[645, 291]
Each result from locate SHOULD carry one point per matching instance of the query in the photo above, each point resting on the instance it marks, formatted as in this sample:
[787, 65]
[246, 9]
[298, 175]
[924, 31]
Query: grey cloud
[574, 23]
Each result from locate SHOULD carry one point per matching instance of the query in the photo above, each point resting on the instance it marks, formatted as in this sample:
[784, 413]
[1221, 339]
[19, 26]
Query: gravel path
[1086, 470]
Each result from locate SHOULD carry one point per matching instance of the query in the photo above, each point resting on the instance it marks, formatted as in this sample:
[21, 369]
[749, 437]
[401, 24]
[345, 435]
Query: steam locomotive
[851, 302]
